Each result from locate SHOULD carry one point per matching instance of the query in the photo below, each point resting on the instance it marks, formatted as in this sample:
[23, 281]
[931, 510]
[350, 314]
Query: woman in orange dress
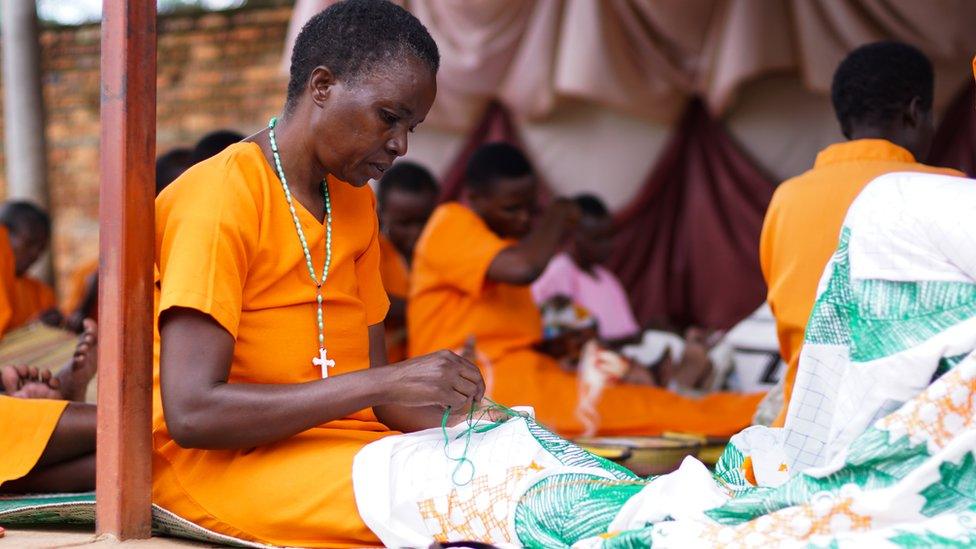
[271, 368]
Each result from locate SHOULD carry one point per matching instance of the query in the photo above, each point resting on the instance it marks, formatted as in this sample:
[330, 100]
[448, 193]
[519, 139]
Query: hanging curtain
[648, 58]
[687, 248]
[496, 125]
[954, 145]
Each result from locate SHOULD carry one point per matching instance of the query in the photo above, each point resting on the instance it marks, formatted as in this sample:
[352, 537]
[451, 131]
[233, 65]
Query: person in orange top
[263, 392]
[882, 96]
[406, 196]
[27, 235]
[471, 275]
[47, 432]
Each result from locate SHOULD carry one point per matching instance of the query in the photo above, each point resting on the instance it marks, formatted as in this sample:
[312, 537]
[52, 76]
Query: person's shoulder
[453, 214]
[238, 172]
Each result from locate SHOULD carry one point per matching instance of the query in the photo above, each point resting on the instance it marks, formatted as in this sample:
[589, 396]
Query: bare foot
[74, 377]
[29, 382]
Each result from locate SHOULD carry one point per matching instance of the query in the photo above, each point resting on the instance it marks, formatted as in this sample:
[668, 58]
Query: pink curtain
[688, 245]
[954, 145]
[647, 58]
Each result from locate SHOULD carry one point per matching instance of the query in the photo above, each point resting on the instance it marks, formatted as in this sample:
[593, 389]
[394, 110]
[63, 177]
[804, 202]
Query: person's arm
[408, 419]
[203, 410]
[524, 262]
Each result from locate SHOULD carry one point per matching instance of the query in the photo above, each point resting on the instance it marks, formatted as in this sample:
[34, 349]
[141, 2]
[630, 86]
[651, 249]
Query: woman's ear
[320, 84]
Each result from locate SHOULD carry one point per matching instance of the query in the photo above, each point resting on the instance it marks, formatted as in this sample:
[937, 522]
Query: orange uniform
[450, 300]
[25, 425]
[802, 226]
[25, 428]
[226, 246]
[396, 280]
[22, 299]
[31, 298]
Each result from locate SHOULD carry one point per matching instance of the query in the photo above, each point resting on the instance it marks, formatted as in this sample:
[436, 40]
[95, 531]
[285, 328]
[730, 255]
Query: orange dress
[450, 300]
[31, 298]
[801, 229]
[226, 246]
[25, 424]
[396, 280]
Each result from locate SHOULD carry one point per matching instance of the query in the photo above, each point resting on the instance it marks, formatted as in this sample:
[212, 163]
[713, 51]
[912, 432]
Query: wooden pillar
[128, 147]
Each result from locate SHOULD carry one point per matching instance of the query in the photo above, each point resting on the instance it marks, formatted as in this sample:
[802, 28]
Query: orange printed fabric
[451, 299]
[802, 227]
[26, 426]
[226, 246]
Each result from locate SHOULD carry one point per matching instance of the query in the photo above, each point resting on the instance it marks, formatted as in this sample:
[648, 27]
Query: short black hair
[351, 36]
[213, 143]
[171, 165]
[591, 205]
[19, 215]
[495, 161]
[407, 176]
[875, 83]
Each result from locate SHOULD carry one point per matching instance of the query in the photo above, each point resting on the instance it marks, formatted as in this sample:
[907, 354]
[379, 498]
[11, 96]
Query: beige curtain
[646, 57]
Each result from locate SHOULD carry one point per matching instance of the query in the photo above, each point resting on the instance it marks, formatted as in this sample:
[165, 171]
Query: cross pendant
[324, 362]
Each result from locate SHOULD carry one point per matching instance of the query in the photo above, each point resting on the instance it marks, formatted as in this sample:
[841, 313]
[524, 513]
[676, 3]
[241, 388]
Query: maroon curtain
[495, 126]
[688, 245]
[954, 145]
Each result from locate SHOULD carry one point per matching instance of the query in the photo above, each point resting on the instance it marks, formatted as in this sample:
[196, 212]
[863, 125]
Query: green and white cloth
[878, 448]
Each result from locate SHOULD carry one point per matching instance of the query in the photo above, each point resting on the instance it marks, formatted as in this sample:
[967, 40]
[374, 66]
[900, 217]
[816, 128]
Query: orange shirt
[393, 269]
[31, 298]
[802, 226]
[451, 300]
[25, 428]
[396, 280]
[226, 246]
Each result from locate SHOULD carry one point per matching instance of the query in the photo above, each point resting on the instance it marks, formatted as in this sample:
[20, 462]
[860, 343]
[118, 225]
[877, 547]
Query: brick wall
[215, 70]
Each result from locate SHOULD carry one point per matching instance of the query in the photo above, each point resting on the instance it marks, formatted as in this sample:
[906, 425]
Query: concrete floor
[74, 537]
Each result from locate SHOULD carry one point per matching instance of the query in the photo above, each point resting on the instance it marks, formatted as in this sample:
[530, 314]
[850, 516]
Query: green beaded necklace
[321, 360]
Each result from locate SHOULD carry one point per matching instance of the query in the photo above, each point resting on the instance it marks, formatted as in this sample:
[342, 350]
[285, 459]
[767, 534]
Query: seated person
[471, 275]
[405, 198]
[47, 432]
[24, 238]
[882, 97]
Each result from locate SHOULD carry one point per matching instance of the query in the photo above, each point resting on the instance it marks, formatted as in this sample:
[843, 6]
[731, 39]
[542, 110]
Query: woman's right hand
[442, 379]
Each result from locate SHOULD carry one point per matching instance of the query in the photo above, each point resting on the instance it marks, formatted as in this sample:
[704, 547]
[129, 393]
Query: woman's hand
[441, 379]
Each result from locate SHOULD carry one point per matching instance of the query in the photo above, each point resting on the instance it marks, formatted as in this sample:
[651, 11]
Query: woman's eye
[389, 117]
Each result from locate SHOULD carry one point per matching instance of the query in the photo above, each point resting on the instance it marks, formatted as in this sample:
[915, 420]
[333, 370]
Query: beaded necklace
[321, 360]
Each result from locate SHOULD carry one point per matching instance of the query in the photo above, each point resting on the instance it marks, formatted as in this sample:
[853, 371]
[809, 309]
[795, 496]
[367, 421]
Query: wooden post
[128, 147]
